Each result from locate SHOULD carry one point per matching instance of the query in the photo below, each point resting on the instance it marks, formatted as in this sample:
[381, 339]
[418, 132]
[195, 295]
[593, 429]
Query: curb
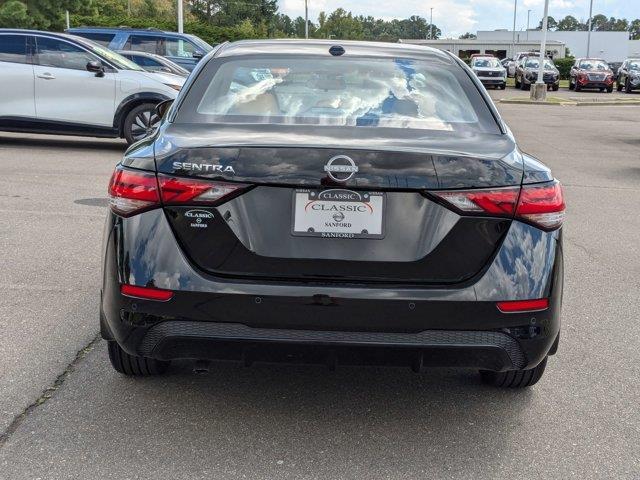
[572, 103]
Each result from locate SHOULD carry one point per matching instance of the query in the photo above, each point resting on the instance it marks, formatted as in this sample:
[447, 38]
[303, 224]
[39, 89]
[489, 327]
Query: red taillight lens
[497, 201]
[147, 293]
[178, 190]
[540, 204]
[516, 306]
[131, 191]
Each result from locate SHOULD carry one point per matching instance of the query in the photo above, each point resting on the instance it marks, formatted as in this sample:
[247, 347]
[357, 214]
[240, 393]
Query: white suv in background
[61, 84]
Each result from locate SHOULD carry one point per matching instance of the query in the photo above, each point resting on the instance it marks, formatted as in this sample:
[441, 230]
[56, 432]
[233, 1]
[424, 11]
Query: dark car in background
[593, 73]
[353, 203]
[528, 69]
[154, 63]
[629, 75]
[614, 66]
[181, 48]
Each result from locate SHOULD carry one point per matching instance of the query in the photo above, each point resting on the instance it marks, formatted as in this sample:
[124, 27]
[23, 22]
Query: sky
[455, 17]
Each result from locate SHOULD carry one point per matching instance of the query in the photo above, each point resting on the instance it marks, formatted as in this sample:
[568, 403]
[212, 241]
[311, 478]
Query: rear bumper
[492, 80]
[211, 317]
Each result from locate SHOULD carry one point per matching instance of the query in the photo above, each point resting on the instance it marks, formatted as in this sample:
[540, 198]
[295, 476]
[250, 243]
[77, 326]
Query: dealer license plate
[338, 213]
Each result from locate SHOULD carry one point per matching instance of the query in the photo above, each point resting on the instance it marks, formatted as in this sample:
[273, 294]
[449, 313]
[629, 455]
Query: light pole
[431, 25]
[539, 89]
[589, 32]
[306, 19]
[180, 17]
[528, 13]
[513, 40]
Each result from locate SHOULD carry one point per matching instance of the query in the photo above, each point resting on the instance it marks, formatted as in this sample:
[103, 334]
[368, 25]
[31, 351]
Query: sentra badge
[203, 167]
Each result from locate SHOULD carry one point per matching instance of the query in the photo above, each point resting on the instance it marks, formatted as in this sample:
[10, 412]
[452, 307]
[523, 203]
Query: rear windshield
[486, 63]
[594, 65]
[359, 92]
[535, 63]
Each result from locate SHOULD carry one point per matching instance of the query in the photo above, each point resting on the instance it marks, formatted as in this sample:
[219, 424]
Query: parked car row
[79, 85]
[586, 73]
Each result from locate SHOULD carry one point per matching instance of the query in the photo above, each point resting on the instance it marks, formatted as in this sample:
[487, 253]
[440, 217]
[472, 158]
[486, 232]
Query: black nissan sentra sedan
[333, 202]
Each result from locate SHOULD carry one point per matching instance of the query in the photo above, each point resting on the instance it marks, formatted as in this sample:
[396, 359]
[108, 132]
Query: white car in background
[61, 84]
[489, 71]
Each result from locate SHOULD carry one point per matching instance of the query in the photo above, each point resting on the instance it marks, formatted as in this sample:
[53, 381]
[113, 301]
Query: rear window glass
[392, 93]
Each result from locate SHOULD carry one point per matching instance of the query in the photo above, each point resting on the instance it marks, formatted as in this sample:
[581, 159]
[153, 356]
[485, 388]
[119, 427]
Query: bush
[564, 66]
[209, 33]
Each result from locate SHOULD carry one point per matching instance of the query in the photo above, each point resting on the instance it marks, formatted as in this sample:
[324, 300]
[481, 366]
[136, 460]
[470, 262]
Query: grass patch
[511, 82]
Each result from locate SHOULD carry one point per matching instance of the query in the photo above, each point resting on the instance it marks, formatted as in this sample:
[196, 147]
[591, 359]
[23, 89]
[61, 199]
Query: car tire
[140, 122]
[577, 87]
[571, 85]
[610, 89]
[132, 365]
[514, 378]
[523, 86]
[503, 86]
[516, 82]
[555, 88]
[618, 85]
[627, 86]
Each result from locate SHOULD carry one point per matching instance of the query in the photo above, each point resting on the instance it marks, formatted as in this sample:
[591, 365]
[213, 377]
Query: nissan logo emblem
[340, 168]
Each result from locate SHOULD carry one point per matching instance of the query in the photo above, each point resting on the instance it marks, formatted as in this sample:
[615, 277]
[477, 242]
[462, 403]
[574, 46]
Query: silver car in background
[489, 71]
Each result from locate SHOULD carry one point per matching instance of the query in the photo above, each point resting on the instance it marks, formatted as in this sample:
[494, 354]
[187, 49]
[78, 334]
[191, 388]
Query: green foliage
[14, 14]
[209, 33]
[42, 14]
[564, 66]
[468, 36]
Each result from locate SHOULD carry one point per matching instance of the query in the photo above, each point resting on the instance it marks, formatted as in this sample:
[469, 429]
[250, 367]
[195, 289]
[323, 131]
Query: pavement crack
[49, 392]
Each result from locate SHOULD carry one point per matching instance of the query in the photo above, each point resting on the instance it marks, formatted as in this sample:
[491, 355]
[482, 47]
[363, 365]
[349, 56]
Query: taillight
[497, 201]
[132, 191]
[542, 205]
[539, 204]
[179, 190]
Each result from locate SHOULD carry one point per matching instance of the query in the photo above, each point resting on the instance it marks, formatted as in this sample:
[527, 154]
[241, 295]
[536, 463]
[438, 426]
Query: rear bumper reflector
[517, 306]
[147, 293]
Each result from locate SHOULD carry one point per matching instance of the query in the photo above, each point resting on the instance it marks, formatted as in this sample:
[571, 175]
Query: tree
[13, 14]
[569, 24]
[552, 24]
[42, 14]
[339, 24]
[468, 36]
[634, 29]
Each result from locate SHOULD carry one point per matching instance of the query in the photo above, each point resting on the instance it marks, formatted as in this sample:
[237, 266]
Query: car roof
[64, 36]
[146, 31]
[318, 47]
[38, 32]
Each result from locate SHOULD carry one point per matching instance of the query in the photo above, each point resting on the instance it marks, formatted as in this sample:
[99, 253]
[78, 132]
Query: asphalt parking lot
[64, 413]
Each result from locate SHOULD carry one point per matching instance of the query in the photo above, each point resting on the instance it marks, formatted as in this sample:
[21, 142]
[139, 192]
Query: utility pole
[431, 25]
[513, 39]
[589, 32]
[306, 19]
[180, 18]
[129, 8]
[539, 89]
[67, 19]
[528, 13]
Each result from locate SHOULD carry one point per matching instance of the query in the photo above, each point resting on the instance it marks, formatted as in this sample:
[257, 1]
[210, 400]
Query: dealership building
[498, 48]
[611, 46]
